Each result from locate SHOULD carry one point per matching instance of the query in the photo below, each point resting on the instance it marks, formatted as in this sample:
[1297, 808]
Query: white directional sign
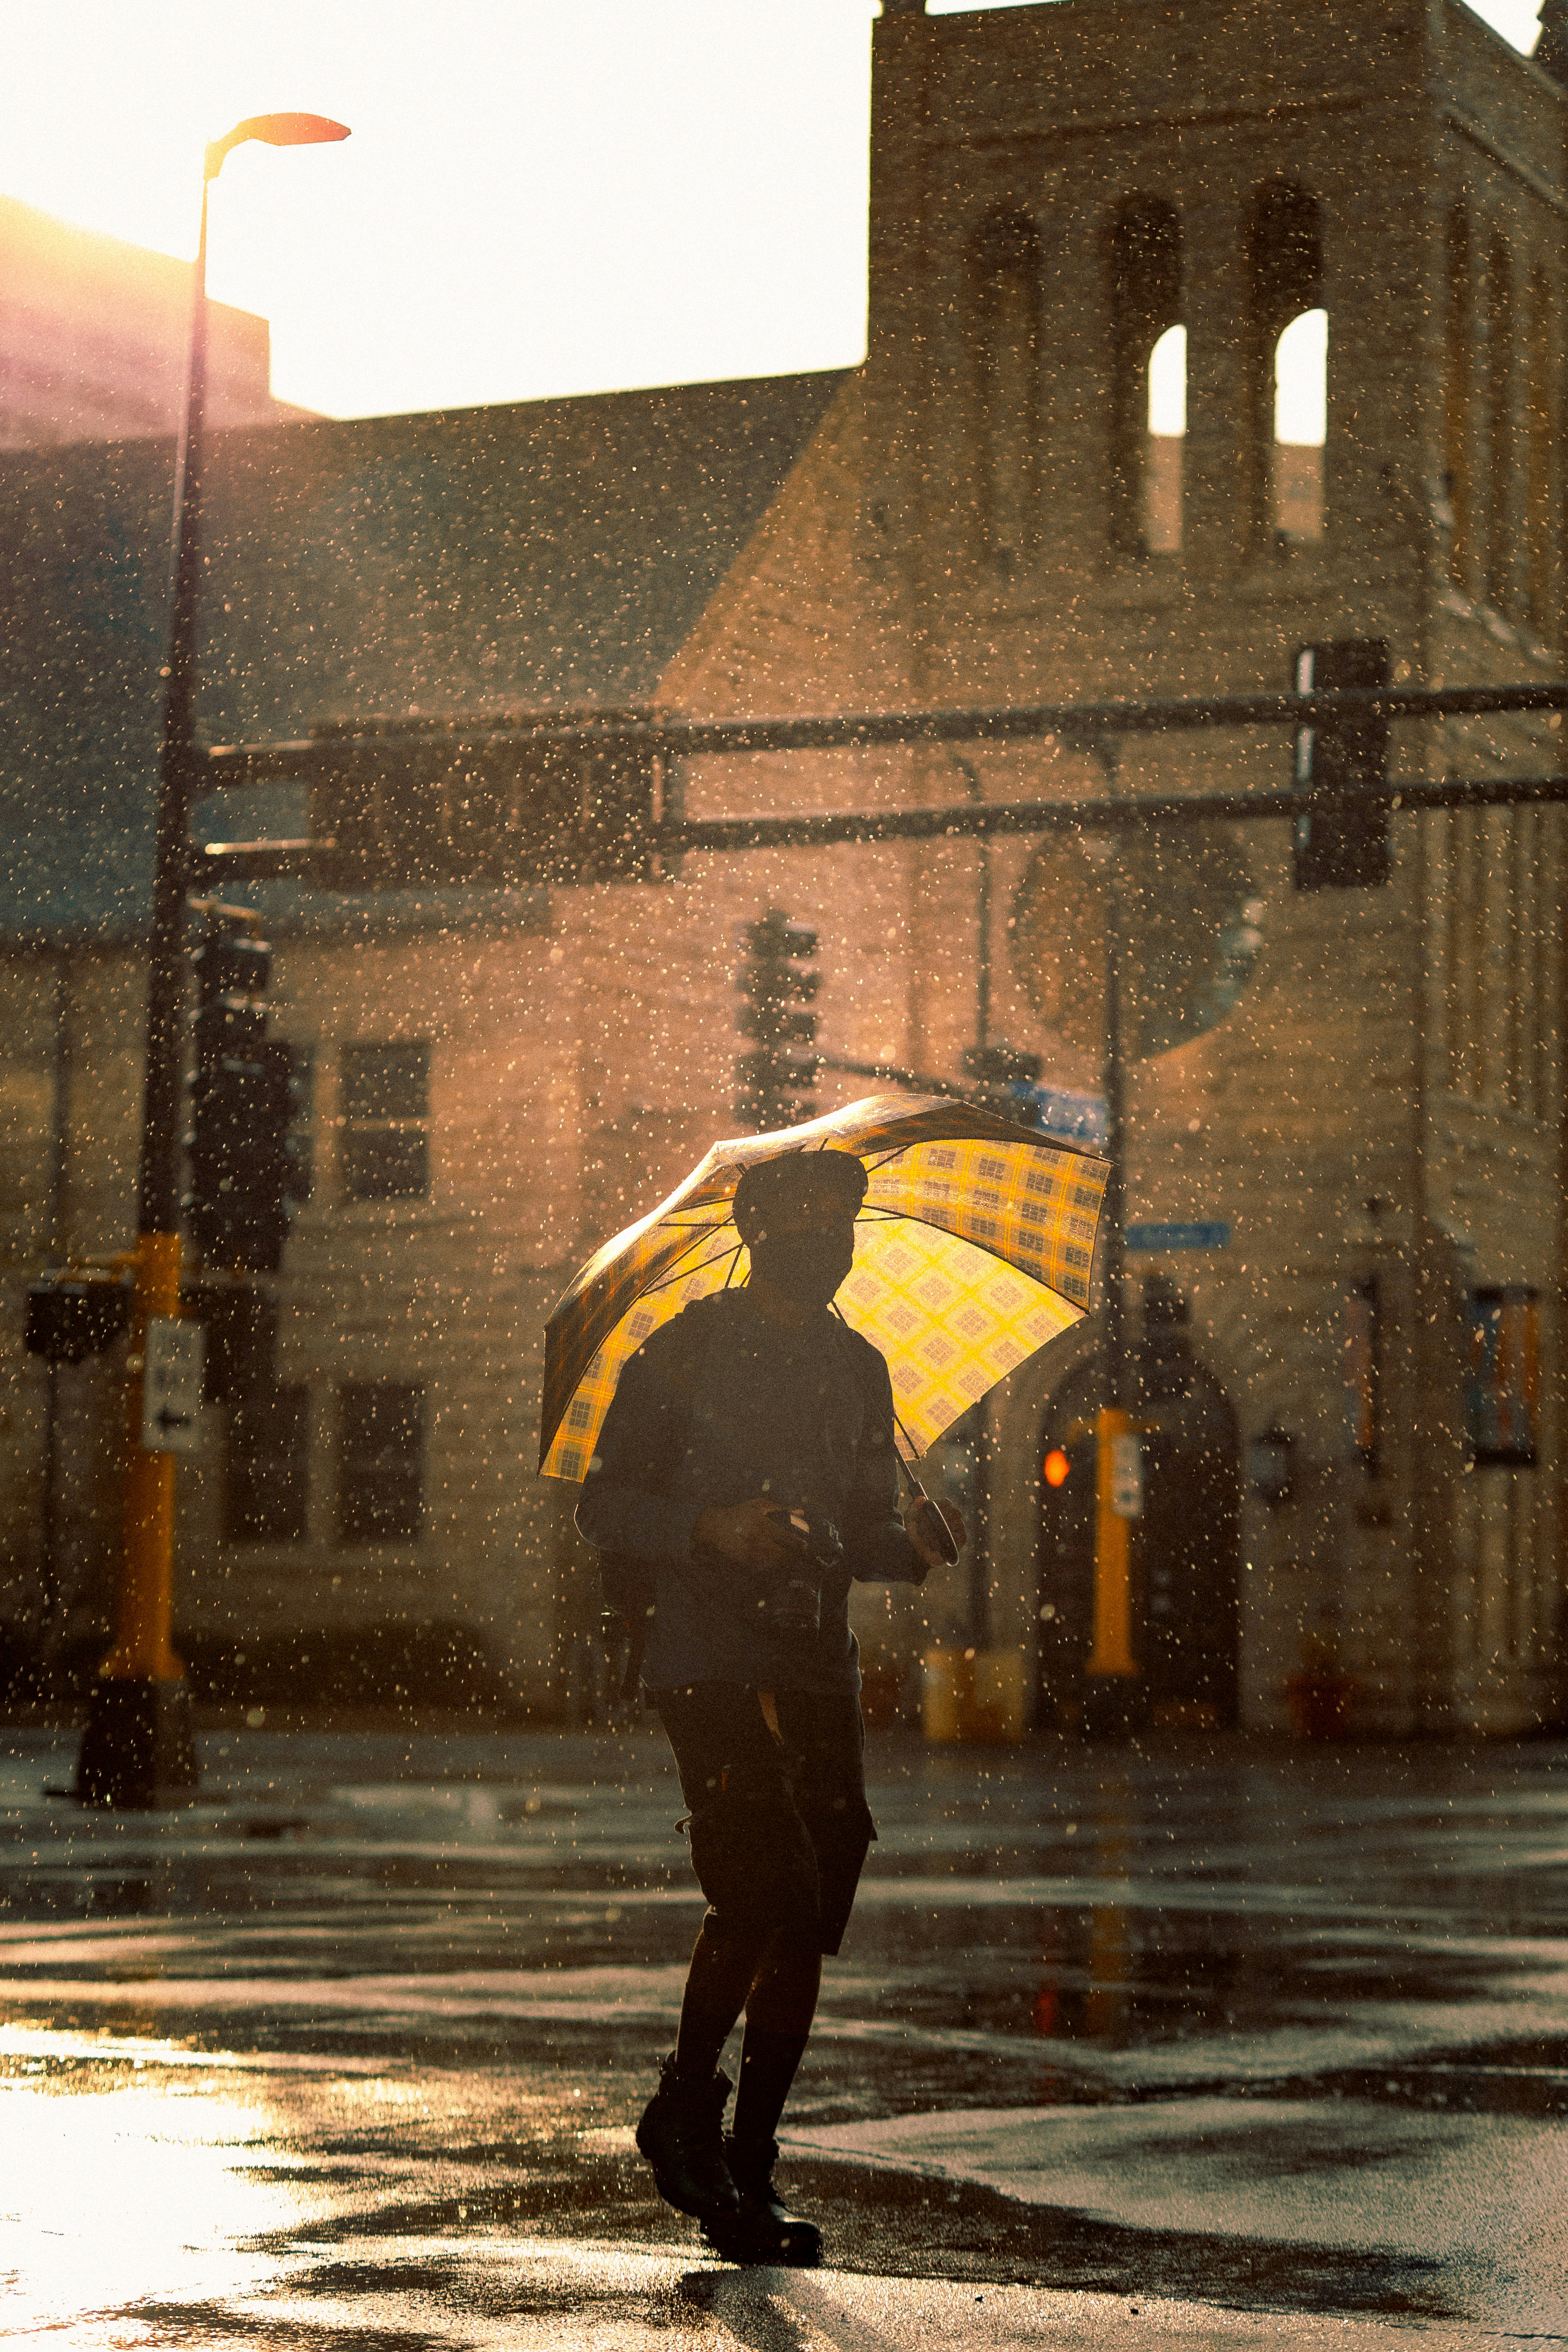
[171, 1386]
[1127, 1476]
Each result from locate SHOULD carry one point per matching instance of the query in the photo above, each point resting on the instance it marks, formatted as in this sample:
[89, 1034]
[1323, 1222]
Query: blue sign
[1145, 1240]
[1058, 1111]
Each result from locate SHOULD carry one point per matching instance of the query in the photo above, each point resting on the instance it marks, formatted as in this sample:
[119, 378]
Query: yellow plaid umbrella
[973, 1247]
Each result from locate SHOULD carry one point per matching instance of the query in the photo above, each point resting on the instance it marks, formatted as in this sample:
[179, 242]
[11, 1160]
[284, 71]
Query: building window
[266, 1468]
[380, 1472]
[1149, 380]
[1502, 1376]
[1301, 427]
[1165, 449]
[1459, 481]
[1289, 369]
[1006, 265]
[385, 1122]
[1500, 549]
[1539, 504]
[300, 1063]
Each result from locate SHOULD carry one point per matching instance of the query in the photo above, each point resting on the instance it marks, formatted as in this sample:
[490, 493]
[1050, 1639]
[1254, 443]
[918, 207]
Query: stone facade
[1052, 190]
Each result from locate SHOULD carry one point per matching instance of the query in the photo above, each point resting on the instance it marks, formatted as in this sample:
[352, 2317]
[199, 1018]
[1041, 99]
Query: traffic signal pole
[136, 1750]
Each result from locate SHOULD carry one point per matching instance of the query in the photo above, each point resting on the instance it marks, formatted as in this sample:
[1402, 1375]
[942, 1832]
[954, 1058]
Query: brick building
[1197, 334]
[93, 338]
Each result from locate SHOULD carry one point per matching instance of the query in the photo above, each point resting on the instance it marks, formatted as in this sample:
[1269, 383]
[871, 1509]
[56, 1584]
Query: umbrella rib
[680, 1273]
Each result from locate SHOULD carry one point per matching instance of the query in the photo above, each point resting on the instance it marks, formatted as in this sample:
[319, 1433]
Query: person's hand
[755, 1534]
[914, 1528]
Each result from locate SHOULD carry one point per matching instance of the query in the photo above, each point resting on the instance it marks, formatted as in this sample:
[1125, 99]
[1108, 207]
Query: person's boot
[682, 2135]
[764, 2231]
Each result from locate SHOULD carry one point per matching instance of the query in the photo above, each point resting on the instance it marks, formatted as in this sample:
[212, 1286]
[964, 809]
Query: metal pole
[51, 1589]
[1111, 1675]
[136, 1748]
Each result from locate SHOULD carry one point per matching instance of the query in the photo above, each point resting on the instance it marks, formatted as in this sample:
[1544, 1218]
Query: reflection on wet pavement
[351, 2054]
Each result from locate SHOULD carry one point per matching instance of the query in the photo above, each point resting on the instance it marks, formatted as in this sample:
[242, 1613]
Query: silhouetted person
[745, 1477]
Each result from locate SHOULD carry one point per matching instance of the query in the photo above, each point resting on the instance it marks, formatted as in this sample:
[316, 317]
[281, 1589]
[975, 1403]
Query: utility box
[973, 1697]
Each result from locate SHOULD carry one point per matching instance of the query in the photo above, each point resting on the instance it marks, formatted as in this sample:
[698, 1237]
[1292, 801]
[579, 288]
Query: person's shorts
[779, 1827]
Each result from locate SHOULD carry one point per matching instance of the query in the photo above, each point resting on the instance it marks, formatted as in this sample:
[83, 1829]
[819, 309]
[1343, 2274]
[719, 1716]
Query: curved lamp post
[136, 1749]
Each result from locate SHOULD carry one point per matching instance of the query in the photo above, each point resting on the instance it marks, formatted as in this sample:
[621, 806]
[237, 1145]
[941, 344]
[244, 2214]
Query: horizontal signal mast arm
[986, 818]
[690, 738]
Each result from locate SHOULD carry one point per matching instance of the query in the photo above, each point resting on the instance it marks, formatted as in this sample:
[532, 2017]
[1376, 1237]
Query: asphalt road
[1214, 2046]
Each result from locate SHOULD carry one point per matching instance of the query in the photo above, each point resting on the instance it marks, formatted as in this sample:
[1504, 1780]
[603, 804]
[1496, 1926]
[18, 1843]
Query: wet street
[1234, 2046]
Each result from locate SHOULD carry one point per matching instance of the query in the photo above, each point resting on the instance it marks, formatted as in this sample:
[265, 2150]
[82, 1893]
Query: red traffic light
[1056, 1467]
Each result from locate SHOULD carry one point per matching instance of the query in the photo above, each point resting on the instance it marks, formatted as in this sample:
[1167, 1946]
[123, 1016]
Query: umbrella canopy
[973, 1247]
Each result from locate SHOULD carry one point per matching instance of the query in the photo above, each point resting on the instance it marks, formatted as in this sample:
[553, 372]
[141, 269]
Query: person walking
[744, 1477]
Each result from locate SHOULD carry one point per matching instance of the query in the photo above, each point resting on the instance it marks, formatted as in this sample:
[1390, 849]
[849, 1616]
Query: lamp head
[276, 131]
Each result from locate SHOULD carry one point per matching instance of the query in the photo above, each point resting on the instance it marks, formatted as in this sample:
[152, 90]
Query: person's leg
[722, 1970]
[755, 1864]
[780, 2006]
[825, 1741]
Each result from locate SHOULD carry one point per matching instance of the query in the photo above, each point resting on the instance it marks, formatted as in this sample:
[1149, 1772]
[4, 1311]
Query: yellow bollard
[136, 1749]
[142, 1650]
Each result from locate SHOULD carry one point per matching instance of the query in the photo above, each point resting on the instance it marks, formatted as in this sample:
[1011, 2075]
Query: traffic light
[776, 1082]
[240, 1105]
[1343, 848]
[1002, 1080]
[71, 1317]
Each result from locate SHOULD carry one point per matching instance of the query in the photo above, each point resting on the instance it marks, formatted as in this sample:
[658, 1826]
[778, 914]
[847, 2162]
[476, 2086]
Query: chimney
[1552, 49]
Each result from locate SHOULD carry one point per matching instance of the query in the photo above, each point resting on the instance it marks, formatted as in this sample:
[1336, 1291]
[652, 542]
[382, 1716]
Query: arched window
[1007, 271]
[1459, 482]
[1289, 402]
[1148, 381]
[1165, 449]
[1301, 427]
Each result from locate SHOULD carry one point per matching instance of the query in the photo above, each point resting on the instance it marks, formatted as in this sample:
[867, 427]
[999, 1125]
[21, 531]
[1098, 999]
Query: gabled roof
[549, 554]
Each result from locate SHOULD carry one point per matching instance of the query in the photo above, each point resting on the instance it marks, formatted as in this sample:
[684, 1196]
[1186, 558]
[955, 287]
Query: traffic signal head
[776, 1082]
[1343, 846]
[241, 1106]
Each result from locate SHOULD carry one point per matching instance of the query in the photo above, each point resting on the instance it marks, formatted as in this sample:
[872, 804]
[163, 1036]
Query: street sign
[1059, 1110]
[1144, 1241]
[1127, 1475]
[171, 1386]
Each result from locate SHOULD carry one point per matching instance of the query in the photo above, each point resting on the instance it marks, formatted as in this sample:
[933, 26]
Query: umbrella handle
[933, 1523]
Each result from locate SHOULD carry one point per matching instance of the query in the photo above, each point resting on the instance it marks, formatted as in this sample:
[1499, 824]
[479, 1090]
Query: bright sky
[539, 197]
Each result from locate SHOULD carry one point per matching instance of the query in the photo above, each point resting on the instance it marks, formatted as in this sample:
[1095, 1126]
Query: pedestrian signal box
[778, 1079]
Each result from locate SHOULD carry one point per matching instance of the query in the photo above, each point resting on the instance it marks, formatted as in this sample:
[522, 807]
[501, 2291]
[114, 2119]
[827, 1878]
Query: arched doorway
[1185, 1547]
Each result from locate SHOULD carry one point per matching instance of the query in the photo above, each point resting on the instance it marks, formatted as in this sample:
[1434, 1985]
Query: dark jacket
[722, 1404]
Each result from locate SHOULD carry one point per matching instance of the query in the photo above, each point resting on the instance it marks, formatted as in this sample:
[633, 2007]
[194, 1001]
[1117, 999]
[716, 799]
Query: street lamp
[137, 1743]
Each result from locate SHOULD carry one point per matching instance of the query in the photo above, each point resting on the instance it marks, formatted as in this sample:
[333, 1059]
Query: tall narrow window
[1289, 406]
[266, 1472]
[1163, 461]
[1301, 427]
[302, 1066]
[1499, 430]
[1537, 519]
[1007, 271]
[1458, 463]
[385, 1112]
[1149, 380]
[381, 1470]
